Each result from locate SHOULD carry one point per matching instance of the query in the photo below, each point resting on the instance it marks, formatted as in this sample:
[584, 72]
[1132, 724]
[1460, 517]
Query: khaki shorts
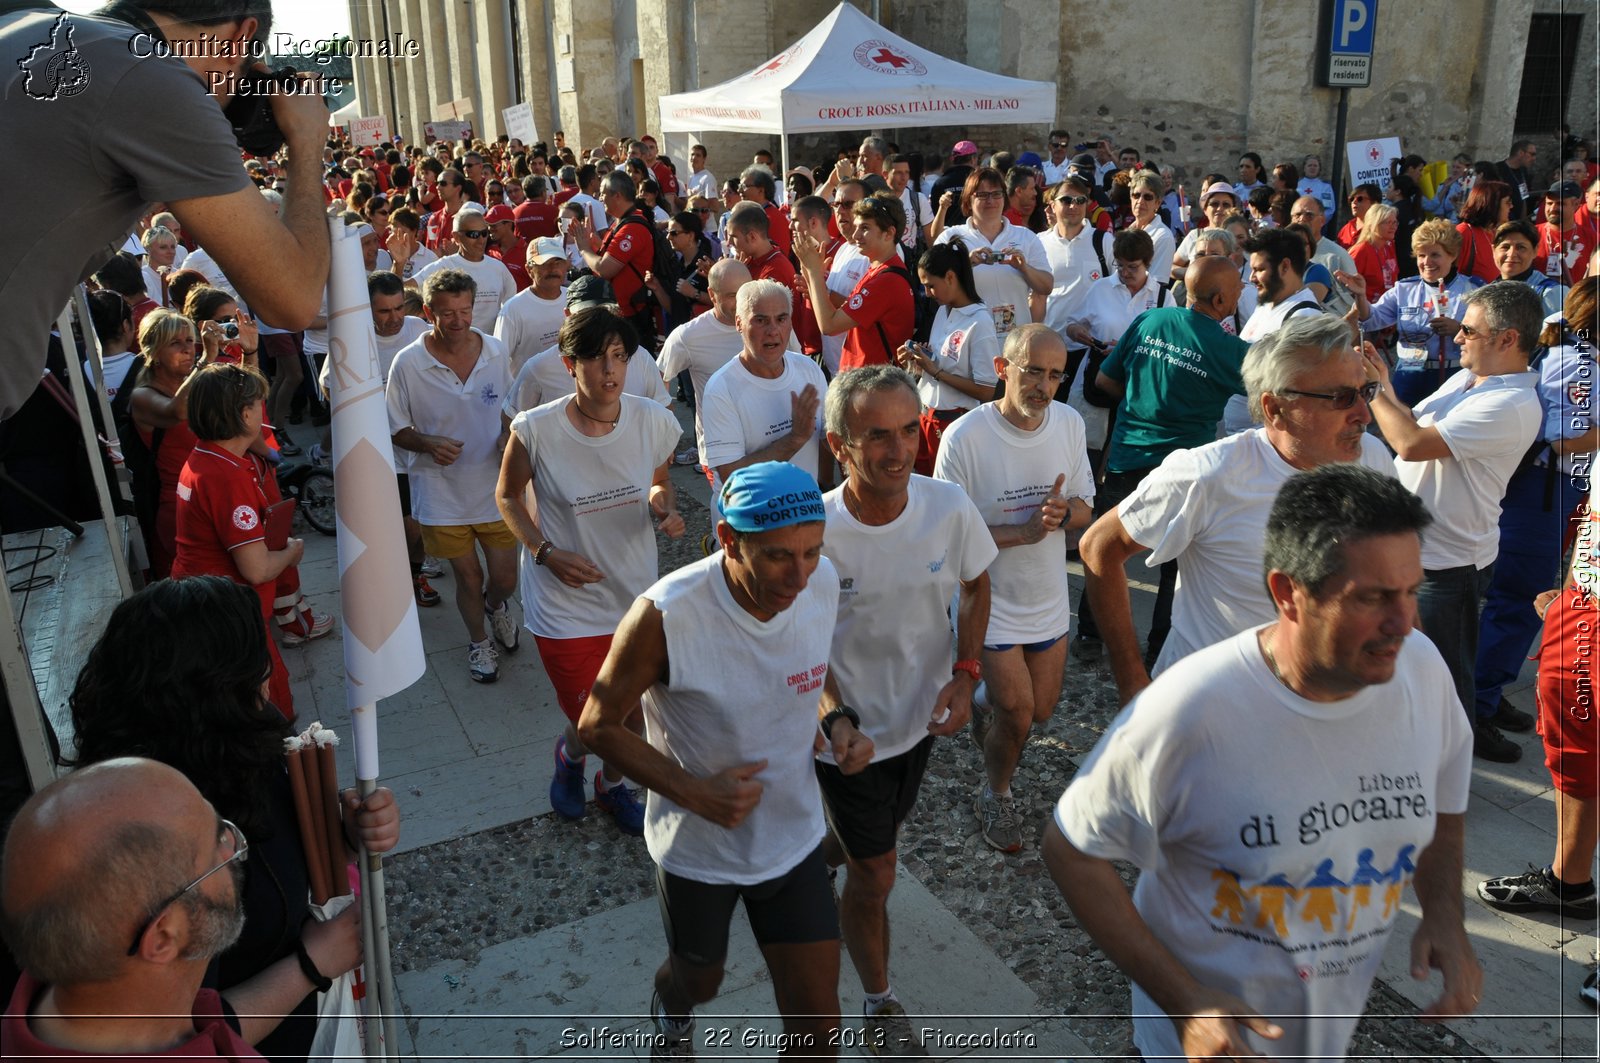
[455, 540]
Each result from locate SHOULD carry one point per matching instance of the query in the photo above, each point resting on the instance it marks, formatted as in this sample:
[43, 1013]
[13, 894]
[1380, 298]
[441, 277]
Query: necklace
[576, 405]
[1272, 662]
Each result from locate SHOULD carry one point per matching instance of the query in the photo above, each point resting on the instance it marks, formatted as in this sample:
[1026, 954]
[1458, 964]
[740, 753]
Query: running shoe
[566, 789]
[670, 1042]
[1508, 717]
[426, 596]
[886, 1033]
[503, 625]
[1536, 891]
[432, 567]
[1590, 993]
[691, 456]
[305, 627]
[623, 805]
[483, 662]
[998, 821]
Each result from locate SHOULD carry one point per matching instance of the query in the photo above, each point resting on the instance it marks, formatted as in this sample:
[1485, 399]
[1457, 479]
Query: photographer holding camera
[92, 95]
[626, 255]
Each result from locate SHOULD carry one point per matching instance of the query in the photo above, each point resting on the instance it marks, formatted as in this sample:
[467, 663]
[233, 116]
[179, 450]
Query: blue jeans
[1447, 605]
[1533, 528]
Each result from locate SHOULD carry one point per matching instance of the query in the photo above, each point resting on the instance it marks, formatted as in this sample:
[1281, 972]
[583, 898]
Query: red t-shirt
[562, 196]
[778, 228]
[881, 298]
[535, 219]
[1476, 257]
[664, 178]
[141, 308]
[1377, 265]
[221, 507]
[439, 227]
[515, 258]
[1566, 252]
[1349, 234]
[630, 242]
[213, 1038]
[775, 266]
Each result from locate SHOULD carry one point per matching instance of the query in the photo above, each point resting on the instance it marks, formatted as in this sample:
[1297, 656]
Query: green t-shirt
[1178, 369]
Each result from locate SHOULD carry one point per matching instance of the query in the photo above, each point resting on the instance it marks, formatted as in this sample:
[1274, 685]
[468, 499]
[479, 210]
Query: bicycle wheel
[316, 501]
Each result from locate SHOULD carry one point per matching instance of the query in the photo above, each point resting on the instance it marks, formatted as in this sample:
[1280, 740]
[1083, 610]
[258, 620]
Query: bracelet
[321, 981]
[844, 711]
[545, 547]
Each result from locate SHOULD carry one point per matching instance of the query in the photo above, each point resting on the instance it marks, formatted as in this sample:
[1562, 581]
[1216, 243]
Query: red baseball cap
[498, 213]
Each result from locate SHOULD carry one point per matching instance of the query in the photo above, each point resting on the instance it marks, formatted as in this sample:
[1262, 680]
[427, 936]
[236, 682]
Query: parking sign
[1344, 43]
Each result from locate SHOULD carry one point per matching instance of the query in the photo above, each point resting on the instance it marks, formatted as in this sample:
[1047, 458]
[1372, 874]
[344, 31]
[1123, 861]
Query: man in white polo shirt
[444, 393]
[1207, 507]
[903, 545]
[532, 318]
[495, 285]
[766, 404]
[1456, 450]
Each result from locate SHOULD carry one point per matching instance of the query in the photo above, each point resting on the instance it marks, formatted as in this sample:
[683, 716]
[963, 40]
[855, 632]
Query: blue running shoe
[623, 804]
[566, 789]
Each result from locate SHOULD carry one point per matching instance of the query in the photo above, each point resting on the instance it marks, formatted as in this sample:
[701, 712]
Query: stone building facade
[1190, 84]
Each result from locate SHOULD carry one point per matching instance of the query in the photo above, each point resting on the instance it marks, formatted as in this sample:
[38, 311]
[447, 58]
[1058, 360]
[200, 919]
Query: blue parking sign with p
[1353, 26]
[1345, 41]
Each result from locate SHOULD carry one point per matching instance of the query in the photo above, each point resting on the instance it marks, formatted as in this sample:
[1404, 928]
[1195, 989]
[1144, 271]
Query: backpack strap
[1163, 290]
[1098, 244]
[883, 337]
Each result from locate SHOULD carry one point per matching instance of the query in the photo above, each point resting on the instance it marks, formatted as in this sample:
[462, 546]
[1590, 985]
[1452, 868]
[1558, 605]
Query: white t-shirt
[702, 345]
[545, 377]
[425, 394]
[1267, 319]
[314, 341]
[1008, 472]
[1487, 429]
[152, 285]
[421, 257]
[1276, 834]
[1076, 267]
[411, 330]
[1002, 288]
[1207, 509]
[891, 651]
[117, 367]
[1107, 309]
[598, 222]
[740, 690]
[530, 324]
[703, 183]
[1165, 245]
[200, 259]
[962, 342]
[496, 286]
[918, 213]
[740, 413]
[593, 495]
[849, 266]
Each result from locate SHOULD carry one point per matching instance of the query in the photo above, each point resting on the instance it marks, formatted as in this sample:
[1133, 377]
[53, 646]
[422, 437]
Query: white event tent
[851, 73]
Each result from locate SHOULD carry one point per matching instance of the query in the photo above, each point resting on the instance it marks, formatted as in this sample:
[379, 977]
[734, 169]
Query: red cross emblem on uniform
[888, 58]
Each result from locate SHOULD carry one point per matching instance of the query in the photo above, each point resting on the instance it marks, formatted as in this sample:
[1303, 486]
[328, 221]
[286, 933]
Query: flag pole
[382, 641]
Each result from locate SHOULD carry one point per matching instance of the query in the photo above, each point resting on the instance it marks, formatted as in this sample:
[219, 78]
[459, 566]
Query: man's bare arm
[1105, 549]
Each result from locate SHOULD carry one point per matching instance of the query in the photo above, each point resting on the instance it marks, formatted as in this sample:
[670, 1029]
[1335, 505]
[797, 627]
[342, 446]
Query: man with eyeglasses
[1174, 370]
[495, 283]
[1457, 449]
[122, 851]
[1055, 167]
[1022, 461]
[1206, 508]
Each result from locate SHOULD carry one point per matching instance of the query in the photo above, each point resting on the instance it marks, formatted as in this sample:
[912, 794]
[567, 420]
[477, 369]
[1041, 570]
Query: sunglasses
[1342, 399]
[473, 234]
[1143, 195]
[1073, 201]
[1056, 145]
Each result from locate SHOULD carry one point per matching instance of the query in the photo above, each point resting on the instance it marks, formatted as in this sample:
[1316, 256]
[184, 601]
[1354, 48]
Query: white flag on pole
[382, 642]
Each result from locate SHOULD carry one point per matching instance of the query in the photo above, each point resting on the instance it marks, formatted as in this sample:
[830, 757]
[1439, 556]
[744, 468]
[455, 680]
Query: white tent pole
[783, 153]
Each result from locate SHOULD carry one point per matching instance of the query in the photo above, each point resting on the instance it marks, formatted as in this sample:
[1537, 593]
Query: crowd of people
[1335, 423]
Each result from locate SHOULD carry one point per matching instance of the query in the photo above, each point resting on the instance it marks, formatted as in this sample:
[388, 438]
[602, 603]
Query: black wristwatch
[844, 711]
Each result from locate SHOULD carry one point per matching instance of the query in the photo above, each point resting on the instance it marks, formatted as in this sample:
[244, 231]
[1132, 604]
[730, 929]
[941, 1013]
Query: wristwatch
[844, 712]
[972, 667]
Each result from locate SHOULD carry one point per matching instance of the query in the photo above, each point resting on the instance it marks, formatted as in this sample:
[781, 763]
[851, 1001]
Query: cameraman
[626, 255]
[113, 123]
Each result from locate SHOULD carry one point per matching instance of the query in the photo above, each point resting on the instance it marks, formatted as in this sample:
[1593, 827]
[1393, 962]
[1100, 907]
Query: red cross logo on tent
[1373, 153]
[775, 64]
[883, 57]
[887, 57]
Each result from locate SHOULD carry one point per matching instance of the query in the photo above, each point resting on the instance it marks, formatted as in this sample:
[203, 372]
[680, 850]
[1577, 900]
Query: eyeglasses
[1131, 267]
[846, 205]
[1056, 145]
[1471, 333]
[241, 851]
[1143, 195]
[1073, 201]
[1342, 399]
[988, 197]
[473, 234]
